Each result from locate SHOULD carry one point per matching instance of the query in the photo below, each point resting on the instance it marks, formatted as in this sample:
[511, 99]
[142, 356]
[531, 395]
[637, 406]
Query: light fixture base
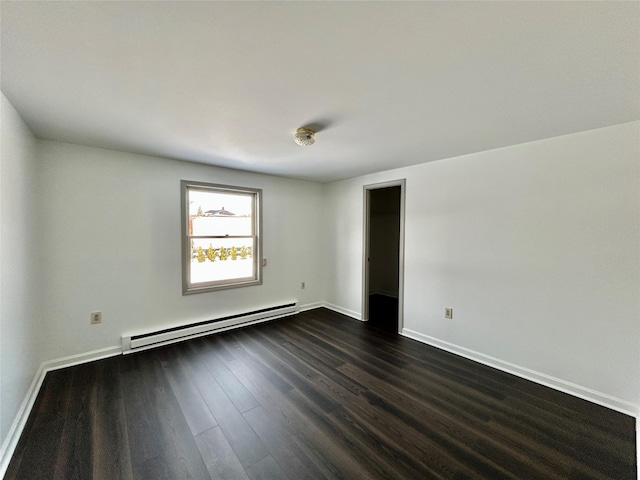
[304, 136]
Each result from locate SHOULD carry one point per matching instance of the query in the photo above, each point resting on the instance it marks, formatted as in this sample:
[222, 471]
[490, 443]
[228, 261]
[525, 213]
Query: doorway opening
[384, 253]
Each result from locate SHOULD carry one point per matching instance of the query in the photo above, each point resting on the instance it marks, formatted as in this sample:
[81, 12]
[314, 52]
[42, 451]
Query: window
[221, 239]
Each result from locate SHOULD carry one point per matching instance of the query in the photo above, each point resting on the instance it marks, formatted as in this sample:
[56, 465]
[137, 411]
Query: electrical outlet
[302, 286]
[448, 312]
[96, 317]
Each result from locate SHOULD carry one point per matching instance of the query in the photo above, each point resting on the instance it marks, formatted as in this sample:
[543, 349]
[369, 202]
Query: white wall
[343, 220]
[535, 246]
[20, 320]
[111, 234]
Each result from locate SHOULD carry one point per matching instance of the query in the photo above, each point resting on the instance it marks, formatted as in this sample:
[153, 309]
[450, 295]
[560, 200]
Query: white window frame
[188, 287]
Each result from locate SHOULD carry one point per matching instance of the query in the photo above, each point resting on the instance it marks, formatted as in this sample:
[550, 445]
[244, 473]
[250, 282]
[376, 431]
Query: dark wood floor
[317, 395]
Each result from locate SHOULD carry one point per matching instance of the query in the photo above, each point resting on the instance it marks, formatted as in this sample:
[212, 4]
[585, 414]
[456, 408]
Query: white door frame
[365, 260]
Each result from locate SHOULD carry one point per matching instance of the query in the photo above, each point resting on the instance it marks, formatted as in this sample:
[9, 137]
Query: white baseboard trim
[86, 357]
[310, 306]
[11, 441]
[343, 311]
[579, 391]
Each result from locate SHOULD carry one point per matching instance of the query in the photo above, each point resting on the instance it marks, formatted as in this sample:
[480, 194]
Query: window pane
[221, 226]
[220, 214]
[219, 259]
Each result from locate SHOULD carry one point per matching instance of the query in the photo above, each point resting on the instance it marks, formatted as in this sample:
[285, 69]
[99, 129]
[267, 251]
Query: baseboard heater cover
[143, 341]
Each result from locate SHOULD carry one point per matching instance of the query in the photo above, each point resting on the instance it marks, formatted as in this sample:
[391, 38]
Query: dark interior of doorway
[383, 312]
[384, 249]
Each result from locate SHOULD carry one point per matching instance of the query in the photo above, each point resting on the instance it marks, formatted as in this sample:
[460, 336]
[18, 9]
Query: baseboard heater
[143, 341]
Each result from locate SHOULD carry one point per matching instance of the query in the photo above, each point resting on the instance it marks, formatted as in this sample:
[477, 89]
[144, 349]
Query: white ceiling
[392, 83]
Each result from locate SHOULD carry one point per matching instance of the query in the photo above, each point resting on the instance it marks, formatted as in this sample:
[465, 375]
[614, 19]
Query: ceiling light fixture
[304, 136]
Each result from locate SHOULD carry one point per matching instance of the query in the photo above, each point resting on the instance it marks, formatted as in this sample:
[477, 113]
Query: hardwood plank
[342, 439]
[289, 336]
[294, 371]
[451, 421]
[179, 452]
[396, 462]
[226, 349]
[75, 450]
[209, 354]
[245, 443]
[279, 445]
[222, 463]
[37, 449]
[267, 373]
[109, 436]
[404, 454]
[326, 365]
[352, 443]
[439, 444]
[145, 444]
[309, 439]
[193, 406]
[266, 469]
